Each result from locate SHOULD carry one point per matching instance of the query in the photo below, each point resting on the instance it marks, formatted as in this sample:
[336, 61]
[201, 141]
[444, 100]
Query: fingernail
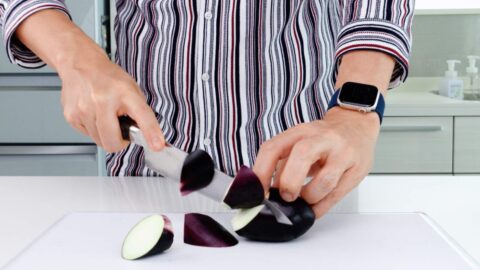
[287, 196]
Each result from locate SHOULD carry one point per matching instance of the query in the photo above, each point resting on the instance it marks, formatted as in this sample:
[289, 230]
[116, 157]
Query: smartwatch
[359, 97]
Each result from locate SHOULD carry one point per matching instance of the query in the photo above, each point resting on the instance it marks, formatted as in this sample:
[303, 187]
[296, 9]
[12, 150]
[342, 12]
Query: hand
[96, 93]
[337, 152]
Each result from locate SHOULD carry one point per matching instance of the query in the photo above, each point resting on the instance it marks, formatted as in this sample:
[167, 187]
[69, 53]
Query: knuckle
[302, 148]
[70, 116]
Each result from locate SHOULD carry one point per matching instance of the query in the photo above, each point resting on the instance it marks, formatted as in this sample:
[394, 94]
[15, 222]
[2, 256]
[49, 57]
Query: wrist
[369, 120]
[78, 52]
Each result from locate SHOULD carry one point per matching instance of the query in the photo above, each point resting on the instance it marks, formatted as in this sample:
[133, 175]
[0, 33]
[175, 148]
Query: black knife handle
[125, 123]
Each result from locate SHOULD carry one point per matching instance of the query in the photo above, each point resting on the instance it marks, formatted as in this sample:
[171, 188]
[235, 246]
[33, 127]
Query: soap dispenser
[451, 86]
[473, 80]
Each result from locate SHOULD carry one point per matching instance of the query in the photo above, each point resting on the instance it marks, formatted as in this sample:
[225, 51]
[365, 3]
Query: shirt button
[208, 15]
[205, 77]
[207, 142]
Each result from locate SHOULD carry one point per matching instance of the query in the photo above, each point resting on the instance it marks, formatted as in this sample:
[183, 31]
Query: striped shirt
[226, 75]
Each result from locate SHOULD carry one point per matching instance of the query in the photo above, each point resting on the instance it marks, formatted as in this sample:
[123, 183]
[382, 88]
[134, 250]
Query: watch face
[358, 94]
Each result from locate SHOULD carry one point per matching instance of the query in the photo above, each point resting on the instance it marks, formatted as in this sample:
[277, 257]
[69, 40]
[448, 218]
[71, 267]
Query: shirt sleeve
[380, 25]
[12, 14]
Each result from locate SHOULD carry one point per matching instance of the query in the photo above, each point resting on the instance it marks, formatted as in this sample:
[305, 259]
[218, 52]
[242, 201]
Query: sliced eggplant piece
[151, 236]
[265, 227]
[245, 216]
[246, 190]
[197, 172]
[204, 231]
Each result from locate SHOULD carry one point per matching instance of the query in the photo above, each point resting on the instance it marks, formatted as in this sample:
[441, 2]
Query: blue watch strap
[380, 109]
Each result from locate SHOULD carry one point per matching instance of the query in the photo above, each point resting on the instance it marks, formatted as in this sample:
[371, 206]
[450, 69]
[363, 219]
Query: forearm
[57, 40]
[368, 67]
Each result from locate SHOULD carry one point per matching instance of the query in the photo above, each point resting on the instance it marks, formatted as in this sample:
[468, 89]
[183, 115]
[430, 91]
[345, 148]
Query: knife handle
[125, 123]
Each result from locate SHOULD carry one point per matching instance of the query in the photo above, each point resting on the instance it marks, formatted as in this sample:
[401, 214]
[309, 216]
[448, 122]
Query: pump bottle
[473, 80]
[451, 86]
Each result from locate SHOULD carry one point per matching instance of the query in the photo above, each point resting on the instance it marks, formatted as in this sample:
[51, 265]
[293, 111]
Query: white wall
[447, 4]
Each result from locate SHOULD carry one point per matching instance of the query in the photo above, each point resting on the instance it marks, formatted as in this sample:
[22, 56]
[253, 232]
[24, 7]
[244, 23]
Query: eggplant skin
[164, 243]
[246, 190]
[197, 172]
[202, 230]
[265, 228]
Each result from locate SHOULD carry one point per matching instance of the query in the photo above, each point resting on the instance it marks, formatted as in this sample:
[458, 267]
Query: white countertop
[30, 205]
[403, 102]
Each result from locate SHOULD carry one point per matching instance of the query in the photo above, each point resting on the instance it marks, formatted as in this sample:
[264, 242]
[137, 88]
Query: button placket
[206, 75]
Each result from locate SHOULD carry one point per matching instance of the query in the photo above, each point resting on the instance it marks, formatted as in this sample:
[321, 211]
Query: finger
[325, 181]
[80, 128]
[109, 130]
[147, 122]
[278, 172]
[272, 151]
[303, 155]
[91, 127]
[347, 183]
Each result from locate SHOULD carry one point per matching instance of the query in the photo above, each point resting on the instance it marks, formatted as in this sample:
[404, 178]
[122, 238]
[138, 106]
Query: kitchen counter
[30, 205]
[405, 102]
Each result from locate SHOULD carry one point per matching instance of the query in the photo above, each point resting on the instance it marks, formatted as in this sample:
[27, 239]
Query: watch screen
[358, 94]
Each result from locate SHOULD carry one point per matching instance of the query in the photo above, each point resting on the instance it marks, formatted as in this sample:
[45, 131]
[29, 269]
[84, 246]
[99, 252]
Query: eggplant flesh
[265, 228]
[151, 236]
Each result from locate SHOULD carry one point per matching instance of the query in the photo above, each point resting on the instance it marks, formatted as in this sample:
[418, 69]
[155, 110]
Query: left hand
[337, 152]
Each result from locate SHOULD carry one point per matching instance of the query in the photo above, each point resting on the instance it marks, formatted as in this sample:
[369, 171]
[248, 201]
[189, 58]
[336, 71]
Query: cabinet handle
[24, 150]
[412, 128]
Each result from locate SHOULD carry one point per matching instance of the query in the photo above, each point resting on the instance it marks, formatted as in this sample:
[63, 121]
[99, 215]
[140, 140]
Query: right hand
[96, 92]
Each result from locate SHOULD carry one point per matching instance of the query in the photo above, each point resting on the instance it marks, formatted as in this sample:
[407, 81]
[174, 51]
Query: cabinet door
[35, 116]
[85, 13]
[48, 160]
[415, 145]
[467, 145]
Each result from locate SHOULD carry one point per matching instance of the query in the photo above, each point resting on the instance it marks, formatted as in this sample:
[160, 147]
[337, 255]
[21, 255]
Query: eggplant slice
[246, 190]
[197, 172]
[264, 226]
[151, 236]
[204, 231]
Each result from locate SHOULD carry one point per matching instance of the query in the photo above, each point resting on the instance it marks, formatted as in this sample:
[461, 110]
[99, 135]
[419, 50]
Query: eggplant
[202, 230]
[197, 172]
[151, 236]
[260, 224]
[246, 190]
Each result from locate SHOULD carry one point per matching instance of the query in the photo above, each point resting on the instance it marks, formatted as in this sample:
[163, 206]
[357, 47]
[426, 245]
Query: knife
[169, 162]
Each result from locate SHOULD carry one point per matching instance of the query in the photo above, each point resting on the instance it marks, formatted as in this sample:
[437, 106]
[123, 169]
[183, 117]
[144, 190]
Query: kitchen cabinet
[415, 145]
[35, 139]
[86, 13]
[51, 160]
[467, 145]
[34, 116]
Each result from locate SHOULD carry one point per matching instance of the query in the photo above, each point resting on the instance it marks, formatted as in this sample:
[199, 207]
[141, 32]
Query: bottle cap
[451, 72]
[472, 62]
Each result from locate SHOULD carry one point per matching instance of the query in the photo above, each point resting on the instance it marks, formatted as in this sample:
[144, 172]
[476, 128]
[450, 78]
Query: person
[247, 81]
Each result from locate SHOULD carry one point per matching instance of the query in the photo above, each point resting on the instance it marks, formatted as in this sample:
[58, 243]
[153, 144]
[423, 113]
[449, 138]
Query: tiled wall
[437, 38]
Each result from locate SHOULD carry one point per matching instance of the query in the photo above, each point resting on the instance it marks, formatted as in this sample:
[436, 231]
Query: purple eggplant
[197, 172]
[202, 230]
[151, 236]
[259, 223]
[246, 190]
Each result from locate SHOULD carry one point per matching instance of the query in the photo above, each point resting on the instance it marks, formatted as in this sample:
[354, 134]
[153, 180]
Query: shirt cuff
[377, 35]
[16, 12]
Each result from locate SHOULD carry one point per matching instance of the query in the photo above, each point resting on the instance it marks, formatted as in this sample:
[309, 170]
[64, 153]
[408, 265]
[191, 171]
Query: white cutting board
[337, 241]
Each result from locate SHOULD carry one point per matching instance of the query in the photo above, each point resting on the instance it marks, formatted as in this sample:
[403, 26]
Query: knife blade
[169, 162]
